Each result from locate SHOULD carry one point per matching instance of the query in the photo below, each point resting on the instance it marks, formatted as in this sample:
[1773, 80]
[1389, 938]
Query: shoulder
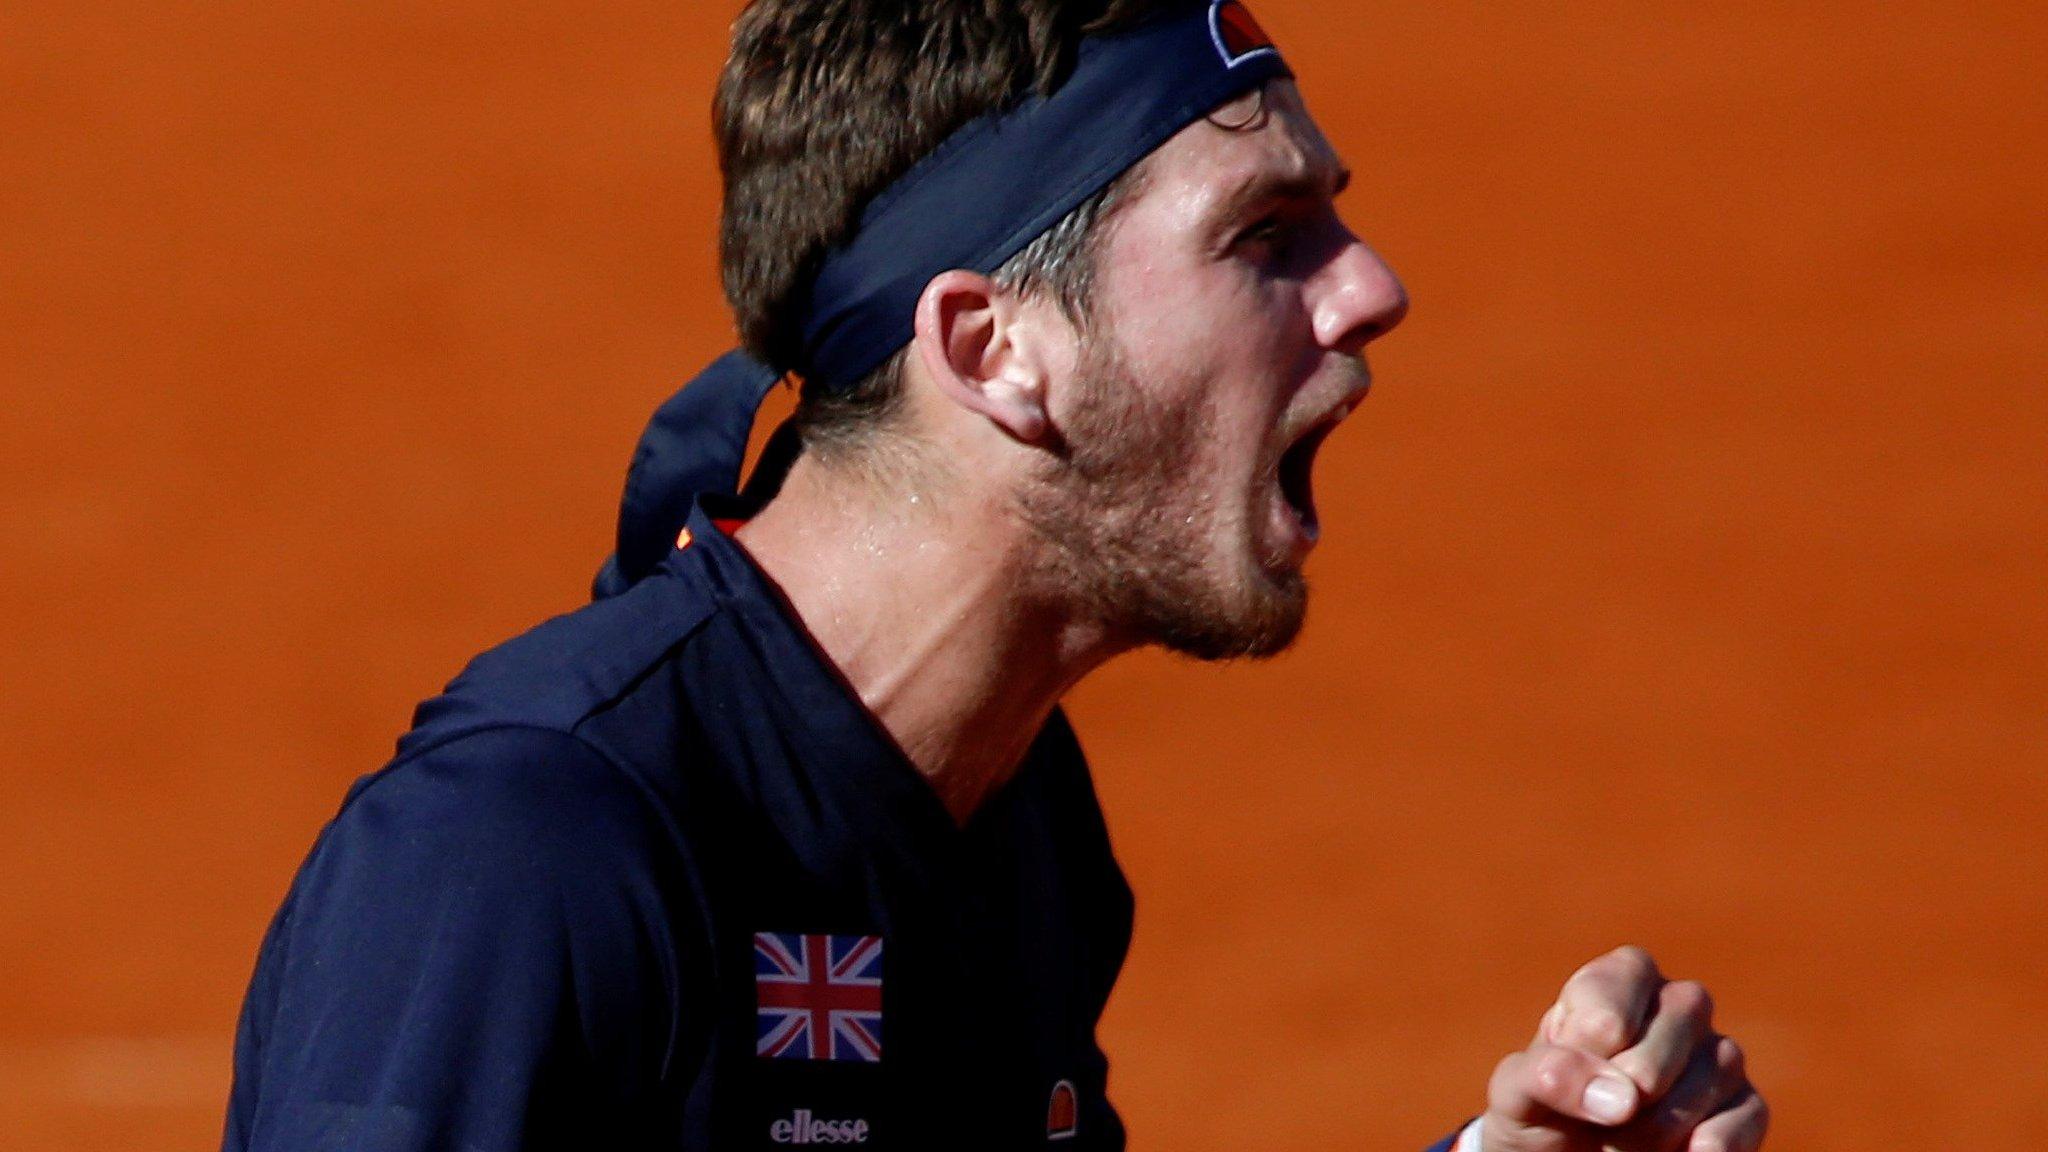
[527, 786]
[516, 834]
[498, 920]
[516, 855]
[558, 674]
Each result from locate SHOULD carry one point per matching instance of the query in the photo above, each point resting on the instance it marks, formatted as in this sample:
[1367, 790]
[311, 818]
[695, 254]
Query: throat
[927, 618]
[964, 705]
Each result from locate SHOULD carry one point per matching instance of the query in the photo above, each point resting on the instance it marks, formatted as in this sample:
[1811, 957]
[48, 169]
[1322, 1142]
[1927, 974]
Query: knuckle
[1740, 1128]
[1639, 1068]
[1661, 1128]
[1556, 1078]
[1502, 1087]
[1599, 1028]
[1635, 959]
[1729, 1055]
[1691, 998]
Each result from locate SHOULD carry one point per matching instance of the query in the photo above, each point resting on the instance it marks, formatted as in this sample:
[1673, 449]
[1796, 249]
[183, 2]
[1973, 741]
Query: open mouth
[1297, 468]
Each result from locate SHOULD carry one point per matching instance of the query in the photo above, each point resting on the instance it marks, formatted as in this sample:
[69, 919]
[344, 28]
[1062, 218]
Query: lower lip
[1294, 532]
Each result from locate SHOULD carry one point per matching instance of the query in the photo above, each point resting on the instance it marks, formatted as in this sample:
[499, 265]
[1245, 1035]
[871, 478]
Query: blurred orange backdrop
[1683, 581]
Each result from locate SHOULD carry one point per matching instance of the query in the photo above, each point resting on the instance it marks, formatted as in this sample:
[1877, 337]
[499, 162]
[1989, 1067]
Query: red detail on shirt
[1060, 1112]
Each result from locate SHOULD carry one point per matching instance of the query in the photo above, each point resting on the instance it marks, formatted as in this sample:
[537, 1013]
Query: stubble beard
[1134, 535]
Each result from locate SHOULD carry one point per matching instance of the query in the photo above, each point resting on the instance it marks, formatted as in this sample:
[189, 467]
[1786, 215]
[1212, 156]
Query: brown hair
[824, 103]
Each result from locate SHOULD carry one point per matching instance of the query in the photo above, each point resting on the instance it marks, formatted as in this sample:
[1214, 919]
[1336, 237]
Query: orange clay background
[1683, 581]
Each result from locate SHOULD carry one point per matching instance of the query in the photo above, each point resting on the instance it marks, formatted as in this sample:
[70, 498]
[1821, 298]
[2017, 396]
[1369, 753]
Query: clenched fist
[1625, 1061]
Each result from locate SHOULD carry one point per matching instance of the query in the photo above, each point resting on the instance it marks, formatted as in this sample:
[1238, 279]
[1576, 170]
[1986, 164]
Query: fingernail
[1609, 1099]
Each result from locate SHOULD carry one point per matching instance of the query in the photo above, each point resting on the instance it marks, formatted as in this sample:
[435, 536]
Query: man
[785, 840]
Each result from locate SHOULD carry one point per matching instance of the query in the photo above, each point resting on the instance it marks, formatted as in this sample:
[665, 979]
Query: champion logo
[1238, 36]
[1062, 1112]
[804, 1128]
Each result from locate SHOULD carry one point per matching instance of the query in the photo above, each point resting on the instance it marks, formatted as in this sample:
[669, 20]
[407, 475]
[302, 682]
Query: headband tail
[695, 444]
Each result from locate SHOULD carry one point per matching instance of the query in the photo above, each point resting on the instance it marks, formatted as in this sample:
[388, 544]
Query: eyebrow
[1305, 183]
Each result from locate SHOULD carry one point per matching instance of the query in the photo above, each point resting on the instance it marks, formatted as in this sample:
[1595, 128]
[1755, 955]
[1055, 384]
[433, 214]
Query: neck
[925, 604]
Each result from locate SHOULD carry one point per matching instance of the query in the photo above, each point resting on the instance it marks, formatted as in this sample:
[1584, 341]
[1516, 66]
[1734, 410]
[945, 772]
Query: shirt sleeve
[478, 954]
[1465, 1139]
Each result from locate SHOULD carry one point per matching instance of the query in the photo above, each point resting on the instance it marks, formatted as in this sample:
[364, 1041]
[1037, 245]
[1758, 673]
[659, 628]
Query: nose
[1355, 298]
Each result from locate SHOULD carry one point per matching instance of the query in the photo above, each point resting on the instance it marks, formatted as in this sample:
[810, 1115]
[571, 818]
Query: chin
[1259, 618]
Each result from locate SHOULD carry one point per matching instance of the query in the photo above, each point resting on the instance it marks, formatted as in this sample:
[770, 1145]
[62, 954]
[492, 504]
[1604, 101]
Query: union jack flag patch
[819, 997]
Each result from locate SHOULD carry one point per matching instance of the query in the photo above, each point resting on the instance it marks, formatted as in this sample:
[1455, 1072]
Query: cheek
[1205, 315]
[1199, 400]
[1222, 444]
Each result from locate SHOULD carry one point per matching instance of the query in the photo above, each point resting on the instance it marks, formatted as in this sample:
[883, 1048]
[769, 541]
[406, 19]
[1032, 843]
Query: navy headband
[982, 196]
[1001, 181]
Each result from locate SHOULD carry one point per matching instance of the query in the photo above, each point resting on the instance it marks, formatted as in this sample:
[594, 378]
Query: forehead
[1260, 136]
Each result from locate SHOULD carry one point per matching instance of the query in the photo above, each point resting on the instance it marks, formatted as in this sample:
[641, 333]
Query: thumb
[1538, 1086]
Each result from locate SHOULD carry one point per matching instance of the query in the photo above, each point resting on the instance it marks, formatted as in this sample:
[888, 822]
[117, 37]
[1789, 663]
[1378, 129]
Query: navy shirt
[650, 876]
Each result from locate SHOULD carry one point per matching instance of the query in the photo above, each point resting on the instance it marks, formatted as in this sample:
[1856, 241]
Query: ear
[972, 345]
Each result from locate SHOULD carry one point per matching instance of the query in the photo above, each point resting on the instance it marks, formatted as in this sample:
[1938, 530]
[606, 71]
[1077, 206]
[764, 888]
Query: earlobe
[967, 338]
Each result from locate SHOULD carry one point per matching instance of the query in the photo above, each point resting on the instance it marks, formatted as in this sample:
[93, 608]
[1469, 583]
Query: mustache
[1340, 387]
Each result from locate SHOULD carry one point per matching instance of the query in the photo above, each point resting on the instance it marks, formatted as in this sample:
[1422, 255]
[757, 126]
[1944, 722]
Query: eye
[1271, 232]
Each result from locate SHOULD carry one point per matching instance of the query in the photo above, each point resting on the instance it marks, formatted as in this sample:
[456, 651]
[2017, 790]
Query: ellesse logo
[804, 1128]
[1238, 37]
